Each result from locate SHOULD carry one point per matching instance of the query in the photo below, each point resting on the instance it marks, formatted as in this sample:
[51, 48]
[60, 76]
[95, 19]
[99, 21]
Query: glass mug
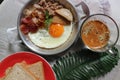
[99, 33]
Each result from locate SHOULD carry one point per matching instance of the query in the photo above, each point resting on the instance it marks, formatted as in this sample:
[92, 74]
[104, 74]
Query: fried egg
[52, 38]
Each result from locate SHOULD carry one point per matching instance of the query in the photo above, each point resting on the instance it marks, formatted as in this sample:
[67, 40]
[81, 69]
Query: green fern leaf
[84, 65]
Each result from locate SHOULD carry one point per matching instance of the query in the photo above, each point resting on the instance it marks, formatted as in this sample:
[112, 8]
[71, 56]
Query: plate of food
[25, 66]
[48, 27]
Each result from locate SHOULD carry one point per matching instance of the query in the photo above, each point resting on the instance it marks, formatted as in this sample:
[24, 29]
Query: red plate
[29, 58]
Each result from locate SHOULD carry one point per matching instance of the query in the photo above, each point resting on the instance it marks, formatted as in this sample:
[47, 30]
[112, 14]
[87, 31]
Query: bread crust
[17, 71]
[37, 69]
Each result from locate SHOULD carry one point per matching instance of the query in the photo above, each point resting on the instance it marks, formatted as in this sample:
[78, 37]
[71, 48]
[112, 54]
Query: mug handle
[12, 36]
[84, 8]
[112, 51]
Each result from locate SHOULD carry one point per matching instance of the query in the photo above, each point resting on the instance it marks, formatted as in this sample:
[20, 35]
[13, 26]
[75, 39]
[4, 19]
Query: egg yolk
[56, 30]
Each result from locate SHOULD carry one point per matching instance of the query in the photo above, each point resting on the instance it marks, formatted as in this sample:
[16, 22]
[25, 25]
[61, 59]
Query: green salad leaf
[84, 65]
[48, 20]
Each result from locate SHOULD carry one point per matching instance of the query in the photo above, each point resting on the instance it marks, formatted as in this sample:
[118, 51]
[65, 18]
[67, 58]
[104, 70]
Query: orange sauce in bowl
[95, 34]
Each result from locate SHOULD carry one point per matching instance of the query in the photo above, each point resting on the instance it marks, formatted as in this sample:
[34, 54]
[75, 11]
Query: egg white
[43, 39]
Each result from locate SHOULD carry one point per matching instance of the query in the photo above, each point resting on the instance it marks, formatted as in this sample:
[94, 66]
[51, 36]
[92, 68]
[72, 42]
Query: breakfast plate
[44, 27]
[29, 58]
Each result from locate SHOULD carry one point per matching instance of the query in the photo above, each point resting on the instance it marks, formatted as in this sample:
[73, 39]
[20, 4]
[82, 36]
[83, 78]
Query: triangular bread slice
[65, 13]
[23, 63]
[18, 72]
[37, 69]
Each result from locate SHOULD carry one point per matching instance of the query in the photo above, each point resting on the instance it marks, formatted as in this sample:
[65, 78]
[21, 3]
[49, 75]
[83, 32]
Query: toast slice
[37, 69]
[23, 63]
[65, 13]
[18, 72]
[60, 20]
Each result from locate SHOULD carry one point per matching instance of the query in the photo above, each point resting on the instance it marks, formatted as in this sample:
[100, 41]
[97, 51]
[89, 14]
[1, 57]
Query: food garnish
[48, 20]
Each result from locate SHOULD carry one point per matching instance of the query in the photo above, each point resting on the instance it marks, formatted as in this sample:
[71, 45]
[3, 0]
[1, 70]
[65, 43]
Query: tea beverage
[95, 34]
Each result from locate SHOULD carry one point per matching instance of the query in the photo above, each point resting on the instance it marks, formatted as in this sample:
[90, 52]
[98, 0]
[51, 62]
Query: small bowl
[108, 38]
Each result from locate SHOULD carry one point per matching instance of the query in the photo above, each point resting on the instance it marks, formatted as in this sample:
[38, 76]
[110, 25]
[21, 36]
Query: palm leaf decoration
[84, 65]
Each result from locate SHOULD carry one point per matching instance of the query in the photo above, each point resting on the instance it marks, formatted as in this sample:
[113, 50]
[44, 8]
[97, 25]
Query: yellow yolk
[56, 30]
